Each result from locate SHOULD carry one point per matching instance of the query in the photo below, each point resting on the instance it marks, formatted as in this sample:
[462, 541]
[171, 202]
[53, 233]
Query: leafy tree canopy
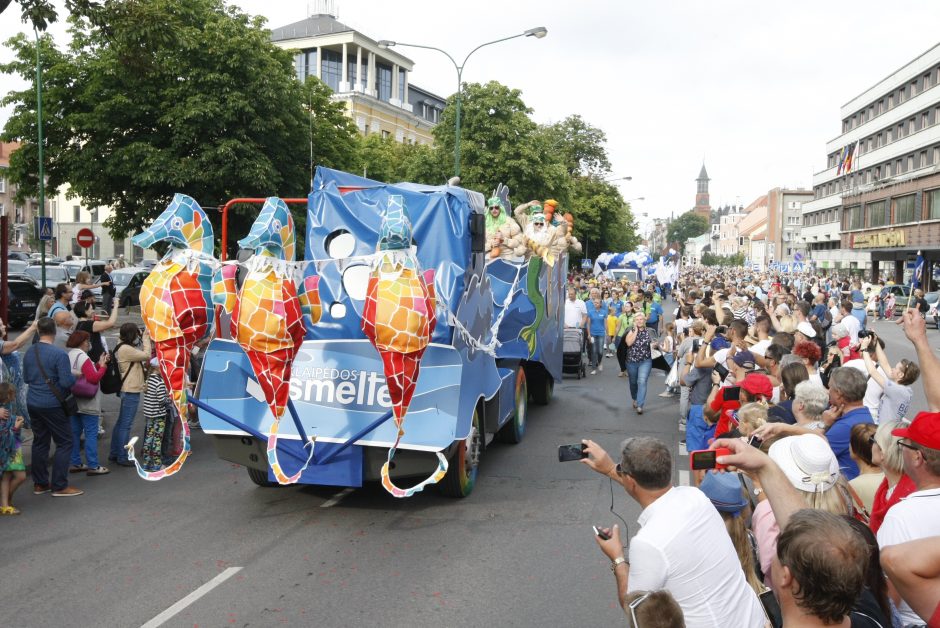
[173, 96]
[688, 225]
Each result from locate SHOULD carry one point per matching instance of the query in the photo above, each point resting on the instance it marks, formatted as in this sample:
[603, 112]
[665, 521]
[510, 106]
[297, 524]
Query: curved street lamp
[617, 179]
[538, 32]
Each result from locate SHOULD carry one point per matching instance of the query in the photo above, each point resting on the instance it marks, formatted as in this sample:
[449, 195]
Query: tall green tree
[40, 13]
[688, 225]
[500, 143]
[579, 145]
[174, 95]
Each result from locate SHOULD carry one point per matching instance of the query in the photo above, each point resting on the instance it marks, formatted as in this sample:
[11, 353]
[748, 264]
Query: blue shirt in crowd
[596, 317]
[839, 435]
[55, 361]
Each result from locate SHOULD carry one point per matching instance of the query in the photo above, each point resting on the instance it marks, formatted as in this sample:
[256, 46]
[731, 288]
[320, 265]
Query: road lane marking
[165, 616]
[683, 477]
[336, 498]
[682, 450]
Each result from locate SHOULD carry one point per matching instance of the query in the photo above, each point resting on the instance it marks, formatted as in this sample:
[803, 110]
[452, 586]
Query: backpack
[826, 321]
[112, 382]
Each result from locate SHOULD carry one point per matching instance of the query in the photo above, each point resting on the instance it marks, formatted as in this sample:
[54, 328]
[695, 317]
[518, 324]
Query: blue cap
[724, 491]
[720, 342]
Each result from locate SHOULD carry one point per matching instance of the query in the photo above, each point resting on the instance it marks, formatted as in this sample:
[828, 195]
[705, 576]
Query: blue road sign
[586, 263]
[44, 227]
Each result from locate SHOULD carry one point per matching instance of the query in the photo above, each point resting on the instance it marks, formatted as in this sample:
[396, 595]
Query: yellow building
[373, 83]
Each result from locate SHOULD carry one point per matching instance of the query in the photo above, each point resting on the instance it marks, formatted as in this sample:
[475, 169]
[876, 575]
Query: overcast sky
[754, 87]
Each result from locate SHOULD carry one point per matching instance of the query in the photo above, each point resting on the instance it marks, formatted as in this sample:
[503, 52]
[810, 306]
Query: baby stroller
[574, 353]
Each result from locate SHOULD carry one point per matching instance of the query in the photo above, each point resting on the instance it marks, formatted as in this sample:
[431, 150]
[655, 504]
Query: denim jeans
[596, 351]
[50, 425]
[87, 423]
[639, 374]
[122, 429]
[697, 431]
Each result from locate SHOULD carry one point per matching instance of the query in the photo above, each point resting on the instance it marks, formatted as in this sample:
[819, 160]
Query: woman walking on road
[624, 323]
[597, 313]
[639, 359]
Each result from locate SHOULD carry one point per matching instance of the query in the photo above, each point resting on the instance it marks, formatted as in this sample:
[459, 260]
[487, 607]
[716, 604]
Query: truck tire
[464, 463]
[260, 478]
[542, 386]
[514, 429]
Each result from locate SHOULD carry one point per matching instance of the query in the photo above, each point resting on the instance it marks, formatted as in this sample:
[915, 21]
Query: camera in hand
[865, 333]
[707, 458]
[721, 369]
[567, 453]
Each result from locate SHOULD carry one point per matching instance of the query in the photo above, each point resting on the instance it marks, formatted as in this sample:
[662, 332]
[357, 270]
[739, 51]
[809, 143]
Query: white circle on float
[337, 310]
[341, 246]
[356, 281]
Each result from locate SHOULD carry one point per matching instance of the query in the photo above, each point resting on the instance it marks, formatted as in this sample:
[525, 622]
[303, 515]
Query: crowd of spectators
[824, 506]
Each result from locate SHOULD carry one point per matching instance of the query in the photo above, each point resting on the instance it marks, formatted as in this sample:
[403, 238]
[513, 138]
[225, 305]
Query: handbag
[83, 388]
[68, 402]
[672, 379]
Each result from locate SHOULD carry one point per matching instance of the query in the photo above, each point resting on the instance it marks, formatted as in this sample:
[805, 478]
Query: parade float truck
[496, 346]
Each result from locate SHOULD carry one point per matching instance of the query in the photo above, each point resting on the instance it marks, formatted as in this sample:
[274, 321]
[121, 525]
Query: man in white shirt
[852, 324]
[682, 546]
[916, 516]
[575, 310]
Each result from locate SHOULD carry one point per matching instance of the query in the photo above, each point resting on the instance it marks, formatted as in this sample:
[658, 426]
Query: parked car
[18, 255]
[149, 263]
[132, 277]
[16, 267]
[54, 275]
[902, 294]
[932, 299]
[23, 296]
[50, 260]
[129, 292]
[94, 266]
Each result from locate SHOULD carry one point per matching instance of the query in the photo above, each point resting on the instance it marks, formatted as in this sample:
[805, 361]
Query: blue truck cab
[477, 376]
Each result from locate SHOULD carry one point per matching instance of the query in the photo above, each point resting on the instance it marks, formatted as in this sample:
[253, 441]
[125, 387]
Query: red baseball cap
[924, 430]
[758, 384]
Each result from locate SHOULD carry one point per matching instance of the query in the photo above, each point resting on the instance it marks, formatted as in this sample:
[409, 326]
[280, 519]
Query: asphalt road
[221, 551]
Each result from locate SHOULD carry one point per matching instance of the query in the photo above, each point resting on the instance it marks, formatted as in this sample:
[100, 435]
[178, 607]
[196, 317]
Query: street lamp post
[539, 32]
[42, 174]
[618, 179]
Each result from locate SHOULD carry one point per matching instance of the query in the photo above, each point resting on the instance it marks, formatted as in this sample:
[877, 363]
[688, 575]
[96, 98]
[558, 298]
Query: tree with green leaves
[688, 225]
[40, 13]
[170, 96]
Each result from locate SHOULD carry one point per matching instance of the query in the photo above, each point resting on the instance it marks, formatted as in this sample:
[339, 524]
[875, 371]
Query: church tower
[702, 205]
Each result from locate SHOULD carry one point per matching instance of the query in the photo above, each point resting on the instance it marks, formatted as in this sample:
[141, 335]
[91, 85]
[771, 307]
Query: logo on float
[339, 387]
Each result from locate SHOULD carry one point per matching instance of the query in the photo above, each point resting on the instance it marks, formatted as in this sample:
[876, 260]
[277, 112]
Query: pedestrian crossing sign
[44, 228]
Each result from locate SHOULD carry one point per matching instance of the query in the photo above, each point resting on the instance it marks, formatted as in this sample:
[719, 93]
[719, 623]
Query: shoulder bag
[82, 387]
[68, 402]
[113, 382]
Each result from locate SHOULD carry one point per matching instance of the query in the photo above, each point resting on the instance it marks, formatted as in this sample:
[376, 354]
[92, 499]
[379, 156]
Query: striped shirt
[155, 396]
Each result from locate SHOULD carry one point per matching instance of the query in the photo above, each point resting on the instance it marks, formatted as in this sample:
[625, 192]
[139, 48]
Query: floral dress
[640, 350]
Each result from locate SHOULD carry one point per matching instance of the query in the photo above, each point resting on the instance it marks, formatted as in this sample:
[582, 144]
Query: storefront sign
[882, 239]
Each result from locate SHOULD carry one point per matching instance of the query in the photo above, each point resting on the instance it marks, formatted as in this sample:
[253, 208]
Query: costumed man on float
[539, 239]
[504, 238]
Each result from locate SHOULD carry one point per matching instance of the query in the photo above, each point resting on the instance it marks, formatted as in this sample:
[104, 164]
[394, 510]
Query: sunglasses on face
[633, 606]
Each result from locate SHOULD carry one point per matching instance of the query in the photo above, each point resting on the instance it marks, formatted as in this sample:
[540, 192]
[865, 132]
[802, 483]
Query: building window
[299, 66]
[386, 134]
[310, 68]
[118, 247]
[352, 64]
[331, 70]
[383, 81]
[854, 218]
[887, 169]
[401, 84]
[910, 163]
[76, 213]
[932, 204]
[923, 159]
[903, 208]
[3, 185]
[876, 214]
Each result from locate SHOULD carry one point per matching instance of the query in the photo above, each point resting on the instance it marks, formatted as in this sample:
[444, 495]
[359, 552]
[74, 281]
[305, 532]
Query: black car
[130, 294]
[18, 255]
[24, 296]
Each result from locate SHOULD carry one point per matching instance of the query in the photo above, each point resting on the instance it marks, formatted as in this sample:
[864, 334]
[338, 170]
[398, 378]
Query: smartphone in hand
[601, 533]
[707, 458]
[567, 453]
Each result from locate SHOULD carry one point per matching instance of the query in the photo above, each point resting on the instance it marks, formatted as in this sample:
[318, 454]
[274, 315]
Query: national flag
[842, 156]
[918, 278]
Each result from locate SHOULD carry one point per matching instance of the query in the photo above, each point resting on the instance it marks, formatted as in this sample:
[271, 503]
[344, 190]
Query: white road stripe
[683, 477]
[336, 498]
[682, 450]
[163, 617]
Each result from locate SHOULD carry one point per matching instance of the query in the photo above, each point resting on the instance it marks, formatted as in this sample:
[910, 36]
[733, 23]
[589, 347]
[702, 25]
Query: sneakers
[99, 471]
[600, 367]
[39, 489]
[622, 374]
[68, 491]
[100, 430]
[665, 393]
[78, 468]
[593, 372]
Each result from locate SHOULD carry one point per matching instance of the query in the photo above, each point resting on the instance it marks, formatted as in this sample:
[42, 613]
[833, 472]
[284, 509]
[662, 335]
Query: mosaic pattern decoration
[268, 314]
[176, 305]
[399, 318]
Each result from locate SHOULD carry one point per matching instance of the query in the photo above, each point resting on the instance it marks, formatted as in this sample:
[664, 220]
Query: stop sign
[85, 238]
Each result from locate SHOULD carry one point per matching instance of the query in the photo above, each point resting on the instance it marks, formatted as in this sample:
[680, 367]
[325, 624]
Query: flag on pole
[918, 278]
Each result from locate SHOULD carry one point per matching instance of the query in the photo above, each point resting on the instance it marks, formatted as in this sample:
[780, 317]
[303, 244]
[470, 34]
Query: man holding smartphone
[682, 546]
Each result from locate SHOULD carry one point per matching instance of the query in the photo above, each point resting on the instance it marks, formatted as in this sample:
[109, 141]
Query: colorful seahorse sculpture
[268, 314]
[176, 305]
[398, 318]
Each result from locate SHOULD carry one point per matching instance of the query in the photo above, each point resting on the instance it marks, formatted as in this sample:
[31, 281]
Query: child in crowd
[156, 400]
[611, 328]
[889, 306]
[750, 417]
[12, 467]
